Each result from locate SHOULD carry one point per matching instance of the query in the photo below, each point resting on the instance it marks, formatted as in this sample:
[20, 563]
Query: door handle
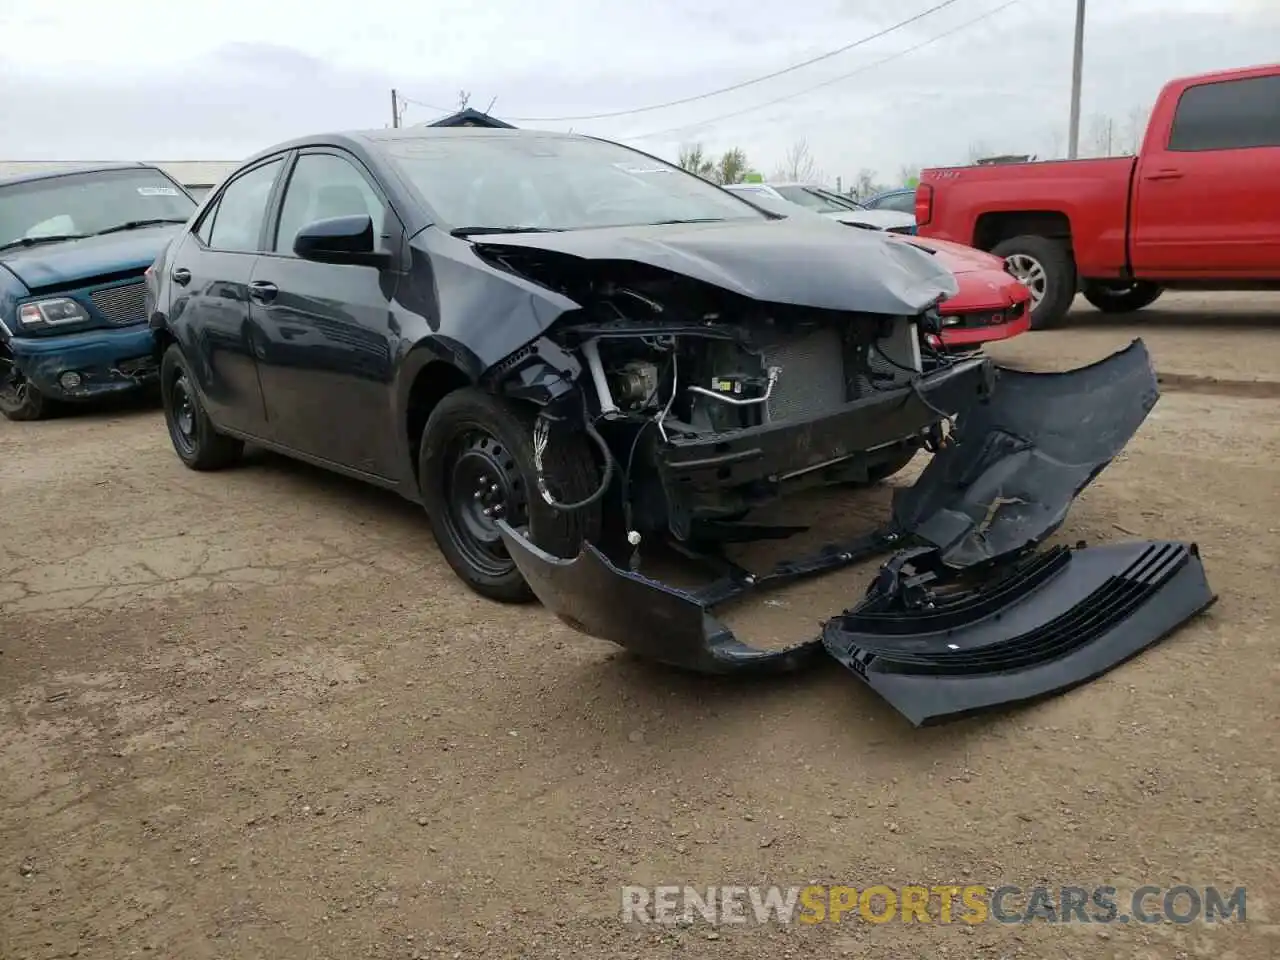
[181, 276]
[263, 291]
[1164, 175]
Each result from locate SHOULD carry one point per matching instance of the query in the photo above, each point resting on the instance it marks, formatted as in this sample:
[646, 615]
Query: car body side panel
[209, 317]
[1093, 196]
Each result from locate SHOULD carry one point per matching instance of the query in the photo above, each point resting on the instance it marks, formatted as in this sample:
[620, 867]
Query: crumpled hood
[822, 264]
[53, 264]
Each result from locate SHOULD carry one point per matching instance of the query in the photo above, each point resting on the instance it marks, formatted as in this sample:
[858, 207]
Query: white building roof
[189, 173]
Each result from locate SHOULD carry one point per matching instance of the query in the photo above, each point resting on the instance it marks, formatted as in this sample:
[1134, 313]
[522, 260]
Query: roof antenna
[488, 111]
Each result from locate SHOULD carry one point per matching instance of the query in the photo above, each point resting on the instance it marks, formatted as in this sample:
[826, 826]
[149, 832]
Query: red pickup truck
[1197, 208]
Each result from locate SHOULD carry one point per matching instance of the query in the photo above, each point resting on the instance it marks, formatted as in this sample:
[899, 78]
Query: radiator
[812, 378]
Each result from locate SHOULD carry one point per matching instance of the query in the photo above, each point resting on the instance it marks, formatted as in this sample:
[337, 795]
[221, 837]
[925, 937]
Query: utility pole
[395, 108]
[1077, 71]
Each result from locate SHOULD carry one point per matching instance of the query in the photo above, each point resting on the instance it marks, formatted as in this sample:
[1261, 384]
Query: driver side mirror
[340, 240]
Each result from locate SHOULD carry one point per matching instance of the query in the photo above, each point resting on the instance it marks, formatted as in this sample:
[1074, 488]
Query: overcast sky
[179, 80]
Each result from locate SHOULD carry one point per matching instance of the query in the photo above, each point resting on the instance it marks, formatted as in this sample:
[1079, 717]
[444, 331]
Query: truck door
[1207, 188]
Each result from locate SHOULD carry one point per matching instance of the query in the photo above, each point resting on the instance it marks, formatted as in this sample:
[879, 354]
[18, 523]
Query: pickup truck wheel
[1046, 268]
[19, 398]
[476, 466]
[1121, 297]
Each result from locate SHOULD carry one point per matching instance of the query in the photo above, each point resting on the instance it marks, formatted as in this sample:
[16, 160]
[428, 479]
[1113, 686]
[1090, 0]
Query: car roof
[52, 174]
[372, 138]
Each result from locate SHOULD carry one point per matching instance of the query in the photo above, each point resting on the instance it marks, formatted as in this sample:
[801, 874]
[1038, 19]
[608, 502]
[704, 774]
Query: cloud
[182, 80]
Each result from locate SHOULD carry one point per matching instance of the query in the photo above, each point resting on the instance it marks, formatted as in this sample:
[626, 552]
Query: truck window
[1228, 115]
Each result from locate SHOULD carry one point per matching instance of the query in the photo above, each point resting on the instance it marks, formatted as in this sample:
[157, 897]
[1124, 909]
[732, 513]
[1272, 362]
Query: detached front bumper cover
[1002, 486]
[937, 649]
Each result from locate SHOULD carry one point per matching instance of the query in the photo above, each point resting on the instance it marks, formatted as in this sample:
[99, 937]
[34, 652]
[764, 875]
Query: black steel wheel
[475, 467]
[483, 486]
[192, 433]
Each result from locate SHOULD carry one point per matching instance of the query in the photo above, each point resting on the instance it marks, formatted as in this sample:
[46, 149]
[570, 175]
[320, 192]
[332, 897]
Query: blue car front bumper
[103, 361]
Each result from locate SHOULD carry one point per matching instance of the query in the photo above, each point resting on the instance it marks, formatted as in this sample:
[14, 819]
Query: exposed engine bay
[668, 363]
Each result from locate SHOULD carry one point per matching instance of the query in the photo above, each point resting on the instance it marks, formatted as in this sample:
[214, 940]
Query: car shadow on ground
[329, 486]
[133, 404]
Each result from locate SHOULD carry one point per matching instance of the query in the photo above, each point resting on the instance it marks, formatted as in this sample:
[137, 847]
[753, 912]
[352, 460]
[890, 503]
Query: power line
[744, 83]
[826, 83]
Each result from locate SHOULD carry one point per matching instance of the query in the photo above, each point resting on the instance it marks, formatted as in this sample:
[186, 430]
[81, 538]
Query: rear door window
[242, 209]
[1228, 115]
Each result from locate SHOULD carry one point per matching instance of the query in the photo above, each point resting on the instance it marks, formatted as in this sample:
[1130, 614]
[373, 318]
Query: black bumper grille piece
[936, 649]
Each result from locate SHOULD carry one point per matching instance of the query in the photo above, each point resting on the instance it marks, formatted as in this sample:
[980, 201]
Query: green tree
[732, 166]
[693, 157]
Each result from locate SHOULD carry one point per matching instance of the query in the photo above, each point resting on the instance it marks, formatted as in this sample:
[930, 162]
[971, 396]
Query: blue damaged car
[74, 248]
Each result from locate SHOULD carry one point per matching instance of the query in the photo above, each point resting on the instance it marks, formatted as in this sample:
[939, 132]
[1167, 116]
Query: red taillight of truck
[924, 204]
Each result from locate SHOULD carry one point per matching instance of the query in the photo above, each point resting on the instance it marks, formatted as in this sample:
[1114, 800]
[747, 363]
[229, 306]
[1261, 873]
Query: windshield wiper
[660, 223]
[480, 231]
[135, 224]
[51, 238]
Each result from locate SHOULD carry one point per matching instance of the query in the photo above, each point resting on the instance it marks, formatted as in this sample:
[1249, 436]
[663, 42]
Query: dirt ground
[252, 714]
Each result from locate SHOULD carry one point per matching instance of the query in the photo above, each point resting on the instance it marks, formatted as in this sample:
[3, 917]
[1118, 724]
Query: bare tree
[693, 158]
[907, 173]
[464, 98]
[1135, 127]
[977, 150]
[799, 165]
[864, 185]
[1055, 144]
[1102, 135]
[732, 166]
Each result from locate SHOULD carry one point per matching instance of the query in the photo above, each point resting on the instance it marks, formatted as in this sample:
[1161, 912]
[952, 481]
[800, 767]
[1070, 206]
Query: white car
[830, 204]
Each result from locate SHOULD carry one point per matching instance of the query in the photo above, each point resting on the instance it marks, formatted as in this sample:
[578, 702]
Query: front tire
[20, 400]
[1121, 297]
[197, 443]
[475, 466]
[1046, 268]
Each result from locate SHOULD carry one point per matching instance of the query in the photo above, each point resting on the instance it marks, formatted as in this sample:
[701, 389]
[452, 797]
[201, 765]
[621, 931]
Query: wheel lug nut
[478, 495]
[488, 511]
[493, 488]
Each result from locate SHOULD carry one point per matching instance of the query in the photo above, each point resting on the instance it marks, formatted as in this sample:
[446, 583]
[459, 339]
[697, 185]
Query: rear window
[1228, 115]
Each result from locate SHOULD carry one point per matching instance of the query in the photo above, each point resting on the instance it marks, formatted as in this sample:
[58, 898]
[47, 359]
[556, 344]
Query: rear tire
[197, 443]
[1121, 297]
[475, 442]
[1047, 269]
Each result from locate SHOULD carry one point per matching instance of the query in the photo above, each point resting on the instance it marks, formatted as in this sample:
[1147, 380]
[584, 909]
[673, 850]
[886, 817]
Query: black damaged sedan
[565, 350]
[550, 330]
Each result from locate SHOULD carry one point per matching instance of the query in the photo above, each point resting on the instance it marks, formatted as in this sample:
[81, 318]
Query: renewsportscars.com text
[940, 903]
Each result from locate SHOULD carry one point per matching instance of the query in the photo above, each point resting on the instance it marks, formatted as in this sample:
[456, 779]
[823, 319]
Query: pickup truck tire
[1046, 267]
[1121, 297]
[22, 401]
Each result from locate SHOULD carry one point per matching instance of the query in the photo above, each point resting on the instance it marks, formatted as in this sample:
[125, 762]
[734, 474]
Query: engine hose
[540, 443]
